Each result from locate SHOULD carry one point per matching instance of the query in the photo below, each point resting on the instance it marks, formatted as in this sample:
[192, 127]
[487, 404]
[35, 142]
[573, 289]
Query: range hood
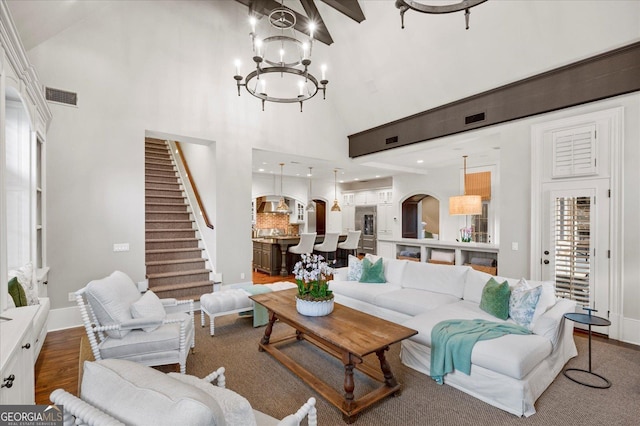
[269, 205]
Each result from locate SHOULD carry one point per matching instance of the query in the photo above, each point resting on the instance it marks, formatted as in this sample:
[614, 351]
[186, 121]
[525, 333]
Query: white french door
[575, 241]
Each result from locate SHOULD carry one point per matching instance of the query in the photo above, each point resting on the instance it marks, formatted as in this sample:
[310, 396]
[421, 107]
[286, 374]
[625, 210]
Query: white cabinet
[16, 357]
[385, 196]
[348, 218]
[385, 219]
[348, 198]
[297, 212]
[385, 249]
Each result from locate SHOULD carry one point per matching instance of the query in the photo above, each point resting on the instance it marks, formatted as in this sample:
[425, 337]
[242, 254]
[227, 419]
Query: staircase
[173, 253]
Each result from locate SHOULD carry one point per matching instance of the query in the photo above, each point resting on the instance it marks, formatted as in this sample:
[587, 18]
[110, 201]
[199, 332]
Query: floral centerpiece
[465, 234]
[314, 296]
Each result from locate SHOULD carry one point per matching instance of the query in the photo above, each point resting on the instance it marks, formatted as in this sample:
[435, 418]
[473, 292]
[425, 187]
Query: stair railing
[203, 211]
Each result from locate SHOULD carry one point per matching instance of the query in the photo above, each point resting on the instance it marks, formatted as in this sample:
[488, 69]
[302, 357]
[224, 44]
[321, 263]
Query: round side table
[589, 320]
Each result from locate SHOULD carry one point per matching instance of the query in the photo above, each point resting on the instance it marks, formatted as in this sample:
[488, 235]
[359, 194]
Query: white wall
[165, 67]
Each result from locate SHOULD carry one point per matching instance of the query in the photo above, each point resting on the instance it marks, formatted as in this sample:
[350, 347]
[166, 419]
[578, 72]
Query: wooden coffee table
[347, 334]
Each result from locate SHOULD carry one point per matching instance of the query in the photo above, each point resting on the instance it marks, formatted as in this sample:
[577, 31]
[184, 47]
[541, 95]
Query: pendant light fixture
[311, 205]
[465, 204]
[282, 206]
[336, 206]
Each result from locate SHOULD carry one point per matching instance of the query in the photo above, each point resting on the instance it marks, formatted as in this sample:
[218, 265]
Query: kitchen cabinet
[385, 215]
[385, 196]
[267, 257]
[348, 218]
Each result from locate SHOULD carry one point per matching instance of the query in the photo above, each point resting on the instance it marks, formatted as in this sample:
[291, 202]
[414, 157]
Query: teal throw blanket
[452, 342]
[260, 314]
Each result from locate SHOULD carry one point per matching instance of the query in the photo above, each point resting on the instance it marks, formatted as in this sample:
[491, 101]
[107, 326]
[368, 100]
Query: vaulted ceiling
[379, 72]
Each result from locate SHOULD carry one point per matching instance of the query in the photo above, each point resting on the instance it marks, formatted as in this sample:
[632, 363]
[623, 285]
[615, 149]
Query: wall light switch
[514, 246]
[121, 247]
[72, 297]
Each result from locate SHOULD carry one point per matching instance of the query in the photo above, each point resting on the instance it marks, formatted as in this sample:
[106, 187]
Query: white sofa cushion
[446, 279]
[111, 299]
[148, 345]
[411, 301]
[112, 384]
[393, 268]
[236, 409]
[512, 355]
[361, 291]
[474, 284]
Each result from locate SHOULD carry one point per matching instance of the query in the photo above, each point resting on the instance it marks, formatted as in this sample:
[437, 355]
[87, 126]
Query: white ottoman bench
[235, 300]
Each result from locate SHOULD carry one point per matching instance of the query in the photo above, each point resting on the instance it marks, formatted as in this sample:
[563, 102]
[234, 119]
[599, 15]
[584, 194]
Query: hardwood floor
[57, 365]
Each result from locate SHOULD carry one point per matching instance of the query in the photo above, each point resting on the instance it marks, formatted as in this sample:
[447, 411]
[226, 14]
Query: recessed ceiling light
[420, 161]
[341, 181]
[356, 178]
[377, 176]
[261, 170]
[264, 162]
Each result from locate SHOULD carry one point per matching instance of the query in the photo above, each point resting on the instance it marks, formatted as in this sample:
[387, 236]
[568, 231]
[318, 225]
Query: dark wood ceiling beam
[313, 15]
[351, 8]
[264, 7]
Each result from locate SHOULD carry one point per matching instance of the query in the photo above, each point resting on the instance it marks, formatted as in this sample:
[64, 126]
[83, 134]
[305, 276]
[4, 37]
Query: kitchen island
[270, 254]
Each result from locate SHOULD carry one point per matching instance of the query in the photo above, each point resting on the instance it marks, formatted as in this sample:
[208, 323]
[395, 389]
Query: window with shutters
[574, 152]
[572, 224]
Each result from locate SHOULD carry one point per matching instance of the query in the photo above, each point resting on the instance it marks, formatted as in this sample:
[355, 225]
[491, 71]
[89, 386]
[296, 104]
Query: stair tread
[170, 230]
[170, 197]
[169, 211]
[179, 286]
[168, 240]
[168, 221]
[173, 250]
[162, 182]
[178, 273]
[174, 262]
[159, 204]
[155, 188]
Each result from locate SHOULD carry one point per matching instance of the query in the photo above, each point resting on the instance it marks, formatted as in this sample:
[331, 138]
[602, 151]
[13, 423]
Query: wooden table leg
[268, 330]
[283, 266]
[389, 380]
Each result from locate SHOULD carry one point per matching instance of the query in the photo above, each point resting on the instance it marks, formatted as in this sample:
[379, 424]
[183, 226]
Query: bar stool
[329, 245]
[352, 242]
[305, 245]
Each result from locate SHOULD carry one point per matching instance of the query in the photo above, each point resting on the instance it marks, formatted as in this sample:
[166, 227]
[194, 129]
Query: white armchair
[122, 323]
[116, 392]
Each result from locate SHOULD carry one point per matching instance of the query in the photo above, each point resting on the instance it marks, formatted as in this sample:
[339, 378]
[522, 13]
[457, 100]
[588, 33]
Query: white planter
[314, 308]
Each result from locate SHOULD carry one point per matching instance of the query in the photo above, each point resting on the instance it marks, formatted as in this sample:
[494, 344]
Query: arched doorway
[421, 217]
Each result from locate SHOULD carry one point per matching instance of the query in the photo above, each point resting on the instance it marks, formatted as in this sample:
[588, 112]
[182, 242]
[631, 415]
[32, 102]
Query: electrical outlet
[72, 297]
[242, 275]
[514, 246]
[121, 247]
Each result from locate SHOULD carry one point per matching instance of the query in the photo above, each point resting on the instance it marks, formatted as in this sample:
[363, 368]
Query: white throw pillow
[523, 302]
[547, 297]
[355, 269]
[26, 278]
[148, 306]
[111, 299]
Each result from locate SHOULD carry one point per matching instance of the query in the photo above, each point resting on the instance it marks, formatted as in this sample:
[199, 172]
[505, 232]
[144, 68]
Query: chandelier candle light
[282, 54]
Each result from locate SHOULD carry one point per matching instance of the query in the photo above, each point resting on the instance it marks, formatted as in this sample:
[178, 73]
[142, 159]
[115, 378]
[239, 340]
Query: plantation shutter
[573, 248]
[574, 152]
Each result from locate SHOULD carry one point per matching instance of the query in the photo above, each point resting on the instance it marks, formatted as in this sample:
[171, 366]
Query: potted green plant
[314, 297]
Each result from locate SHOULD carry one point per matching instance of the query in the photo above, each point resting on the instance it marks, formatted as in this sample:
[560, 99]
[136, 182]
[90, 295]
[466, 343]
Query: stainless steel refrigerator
[365, 221]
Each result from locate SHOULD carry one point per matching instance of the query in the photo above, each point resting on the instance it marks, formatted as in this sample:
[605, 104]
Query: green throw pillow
[17, 292]
[372, 272]
[495, 299]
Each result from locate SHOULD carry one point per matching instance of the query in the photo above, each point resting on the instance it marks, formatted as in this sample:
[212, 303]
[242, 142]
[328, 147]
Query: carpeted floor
[271, 388]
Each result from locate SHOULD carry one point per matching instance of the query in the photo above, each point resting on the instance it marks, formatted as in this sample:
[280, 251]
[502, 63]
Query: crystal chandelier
[449, 7]
[278, 53]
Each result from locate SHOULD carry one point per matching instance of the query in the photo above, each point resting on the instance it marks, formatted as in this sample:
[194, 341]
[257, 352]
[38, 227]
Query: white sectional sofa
[509, 372]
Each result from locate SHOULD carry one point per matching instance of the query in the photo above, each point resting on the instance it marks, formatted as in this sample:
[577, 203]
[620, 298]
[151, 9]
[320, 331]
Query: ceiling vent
[61, 96]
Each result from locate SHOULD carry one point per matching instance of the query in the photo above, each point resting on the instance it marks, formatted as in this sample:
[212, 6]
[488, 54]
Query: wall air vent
[61, 96]
[474, 118]
[391, 140]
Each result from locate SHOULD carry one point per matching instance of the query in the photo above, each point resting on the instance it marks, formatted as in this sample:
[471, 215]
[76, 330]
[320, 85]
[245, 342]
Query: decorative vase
[314, 308]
